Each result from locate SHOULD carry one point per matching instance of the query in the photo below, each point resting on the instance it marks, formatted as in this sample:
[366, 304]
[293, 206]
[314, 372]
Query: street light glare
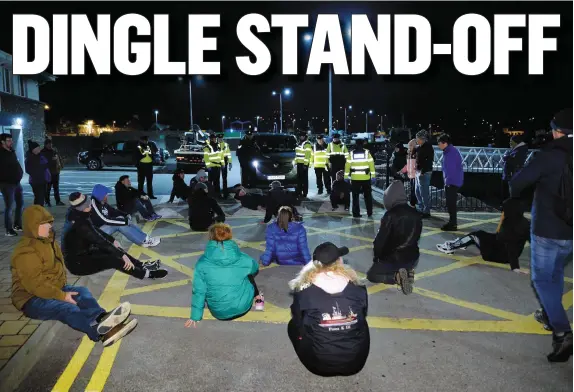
[350, 106]
[370, 112]
[287, 91]
[156, 112]
[274, 93]
[222, 117]
[308, 37]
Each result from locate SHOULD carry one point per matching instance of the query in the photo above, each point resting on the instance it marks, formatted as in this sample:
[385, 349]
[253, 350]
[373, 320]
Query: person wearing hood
[399, 158]
[223, 279]
[277, 198]
[252, 201]
[453, 174]
[203, 209]
[396, 246]
[110, 220]
[37, 167]
[286, 241]
[131, 200]
[328, 326]
[341, 193]
[55, 165]
[506, 245]
[550, 173]
[89, 250]
[10, 187]
[41, 292]
[180, 188]
[202, 177]
[513, 161]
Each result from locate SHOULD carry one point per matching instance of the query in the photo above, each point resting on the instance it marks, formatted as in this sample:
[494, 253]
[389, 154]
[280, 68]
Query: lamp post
[287, 92]
[222, 123]
[345, 109]
[367, 120]
[257, 121]
[156, 113]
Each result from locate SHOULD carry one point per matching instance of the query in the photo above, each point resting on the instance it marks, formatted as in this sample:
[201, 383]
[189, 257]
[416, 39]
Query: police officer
[226, 162]
[245, 151]
[213, 159]
[337, 154]
[360, 167]
[321, 165]
[144, 165]
[303, 157]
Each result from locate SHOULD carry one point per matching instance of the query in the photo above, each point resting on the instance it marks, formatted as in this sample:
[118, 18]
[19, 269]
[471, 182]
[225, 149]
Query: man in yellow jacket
[360, 168]
[212, 157]
[337, 154]
[225, 163]
[303, 157]
[321, 165]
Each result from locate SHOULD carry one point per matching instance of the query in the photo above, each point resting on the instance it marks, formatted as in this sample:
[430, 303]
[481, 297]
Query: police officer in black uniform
[246, 150]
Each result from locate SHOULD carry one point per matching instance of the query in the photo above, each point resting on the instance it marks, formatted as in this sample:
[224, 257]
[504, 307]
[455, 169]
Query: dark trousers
[323, 176]
[505, 191]
[145, 174]
[451, 197]
[56, 184]
[13, 200]
[335, 167]
[92, 263]
[302, 179]
[144, 207]
[213, 179]
[39, 193]
[252, 280]
[224, 170]
[356, 187]
[412, 193]
[336, 200]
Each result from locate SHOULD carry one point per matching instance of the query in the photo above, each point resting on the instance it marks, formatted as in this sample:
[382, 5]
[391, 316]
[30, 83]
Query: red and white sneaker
[260, 303]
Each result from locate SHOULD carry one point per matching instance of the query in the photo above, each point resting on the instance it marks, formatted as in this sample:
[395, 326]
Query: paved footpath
[468, 326]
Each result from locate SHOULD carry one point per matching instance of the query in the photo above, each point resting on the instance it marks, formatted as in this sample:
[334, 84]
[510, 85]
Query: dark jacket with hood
[103, 214]
[397, 242]
[399, 158]
[277, 198]
[54, 165]
[180, 189]
[341, 186]
[514, 160]
[37, 169]
[11, 172]
[202, 209]
[425, 157]
[251, 200]
[544, 172]
[126, 197]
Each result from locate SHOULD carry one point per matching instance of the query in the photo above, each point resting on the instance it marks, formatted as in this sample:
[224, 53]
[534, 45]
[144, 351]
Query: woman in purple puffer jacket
[286, 241]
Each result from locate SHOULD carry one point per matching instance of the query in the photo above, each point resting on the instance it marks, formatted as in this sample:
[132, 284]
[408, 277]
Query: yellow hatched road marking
[188, 233]
[155, 287]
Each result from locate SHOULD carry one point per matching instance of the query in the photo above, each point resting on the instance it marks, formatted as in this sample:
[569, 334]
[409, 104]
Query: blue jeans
[13, 198]
[144, 207]
[130, 231]
[422, 191]
[548, 258]
[81, 317]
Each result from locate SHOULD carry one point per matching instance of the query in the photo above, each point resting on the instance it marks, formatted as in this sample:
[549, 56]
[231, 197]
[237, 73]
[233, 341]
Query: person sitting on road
[250, 200]
[341, 193]
[396, 246]
[130, 200]
[328, 326]
[201, 177]
[89, 250]
[203, 209]
[110, 220]
[506, 245]
[224, 279]
[41, 292]
[180, 189]
[277, 198]
[286, 241]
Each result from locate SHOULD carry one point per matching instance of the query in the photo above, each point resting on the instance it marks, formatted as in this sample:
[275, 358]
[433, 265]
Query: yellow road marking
[567, 300]
[188, 233]
[169, 262]
[154, 287]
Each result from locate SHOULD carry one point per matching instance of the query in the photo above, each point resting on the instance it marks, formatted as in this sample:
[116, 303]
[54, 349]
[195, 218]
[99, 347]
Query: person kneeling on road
[110, 220]
[88, 250]
[180, 189]
[328, 327]
[224, 279]
[203, 209]
[277, 198]
[130, 200]
[396, 246]
[40, 291]
[341, 193]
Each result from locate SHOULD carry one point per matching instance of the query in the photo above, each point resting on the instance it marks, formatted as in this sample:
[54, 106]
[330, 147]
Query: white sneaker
[260, 304]
[445, 248]
[113, 318]
[150, 242]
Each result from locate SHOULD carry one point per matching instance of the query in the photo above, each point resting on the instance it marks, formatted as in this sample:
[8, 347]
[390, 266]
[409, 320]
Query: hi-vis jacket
[304, 153]
[225, 153]
[319, 160]
[212, 157]
[360, 166]
[337, 154]
[145, 154]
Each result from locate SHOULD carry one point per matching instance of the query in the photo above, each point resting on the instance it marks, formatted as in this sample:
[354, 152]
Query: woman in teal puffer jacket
[224, 279]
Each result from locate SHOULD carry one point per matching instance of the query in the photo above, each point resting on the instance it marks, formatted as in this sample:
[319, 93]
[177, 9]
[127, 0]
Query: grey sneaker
[151, 265]
[150, 242]
[113, 318]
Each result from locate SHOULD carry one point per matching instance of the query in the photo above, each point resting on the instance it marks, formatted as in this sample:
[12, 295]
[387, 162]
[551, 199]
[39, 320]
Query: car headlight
[83, 153]
[255, 164]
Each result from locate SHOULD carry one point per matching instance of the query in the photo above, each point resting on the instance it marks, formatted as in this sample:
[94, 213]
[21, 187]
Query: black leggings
[92, 263]
[252, 280]
[466, 241]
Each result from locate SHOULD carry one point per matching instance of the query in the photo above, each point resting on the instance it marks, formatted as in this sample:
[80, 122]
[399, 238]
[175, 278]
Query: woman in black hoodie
[202, 209]
[506, 245]
[180, 188]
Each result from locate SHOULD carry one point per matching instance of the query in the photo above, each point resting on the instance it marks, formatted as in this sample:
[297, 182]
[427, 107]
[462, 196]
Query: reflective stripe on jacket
[211, 157]
[225, 153]
[319, 156]
[337, 153]
[304, 153]
[360, 166]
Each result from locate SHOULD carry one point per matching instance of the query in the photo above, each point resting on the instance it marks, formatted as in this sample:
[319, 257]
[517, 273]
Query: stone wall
[32, 114]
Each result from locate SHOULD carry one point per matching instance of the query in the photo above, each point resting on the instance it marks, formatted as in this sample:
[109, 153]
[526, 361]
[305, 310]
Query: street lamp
[367, 120]
[345, 108]
[198, 79]
[222, 123]
[257, 122]
[156, 113]
[287, 92]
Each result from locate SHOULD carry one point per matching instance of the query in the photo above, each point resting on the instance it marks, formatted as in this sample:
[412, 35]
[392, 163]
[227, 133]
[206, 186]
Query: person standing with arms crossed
[337, 154]
[361, 169]
[319, 162]
[225, 163]
[303, 157]
[144, 165]
[212, 156]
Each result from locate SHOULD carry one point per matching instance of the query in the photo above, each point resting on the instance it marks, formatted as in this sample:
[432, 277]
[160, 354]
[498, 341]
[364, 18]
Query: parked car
[119, 153]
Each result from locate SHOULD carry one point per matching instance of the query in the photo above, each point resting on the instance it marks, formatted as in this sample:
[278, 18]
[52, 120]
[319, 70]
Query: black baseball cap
[327, 253]
[220, 135]
[336, 136]
[319, 137]
[562, 122]
[212, 136]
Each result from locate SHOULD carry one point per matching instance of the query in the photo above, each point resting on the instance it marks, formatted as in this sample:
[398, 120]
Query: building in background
[21, 111]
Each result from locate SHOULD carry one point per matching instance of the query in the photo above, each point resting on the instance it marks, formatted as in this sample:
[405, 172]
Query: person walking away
[341, 192]
[513, 161]
[38, 172]
[180, 189]
[10, 177]
[203, 209]
[506, 245]
[396, 246]
[110, 220]
[550, 173]
[212, 157]
[277, 198]
[360, 168]
[226, 164]
[224, 279]
[424, 161]
[321, 165]
[328, 326]
[337, 154]
[88, 250]
[40, 291]
[453, 174]
[130, 200]
[285, 241]
[144, 165]
[55, 165]
[303, 157]
[246, 150]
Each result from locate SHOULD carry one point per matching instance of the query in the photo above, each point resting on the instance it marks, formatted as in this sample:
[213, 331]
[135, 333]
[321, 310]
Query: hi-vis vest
[337, 153]
[304, 153]
[211, 157]
[225, 153]
[146, 152]
[360, 166]
[319, 156]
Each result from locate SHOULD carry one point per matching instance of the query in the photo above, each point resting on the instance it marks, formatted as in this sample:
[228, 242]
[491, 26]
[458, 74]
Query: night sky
[426, 98]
